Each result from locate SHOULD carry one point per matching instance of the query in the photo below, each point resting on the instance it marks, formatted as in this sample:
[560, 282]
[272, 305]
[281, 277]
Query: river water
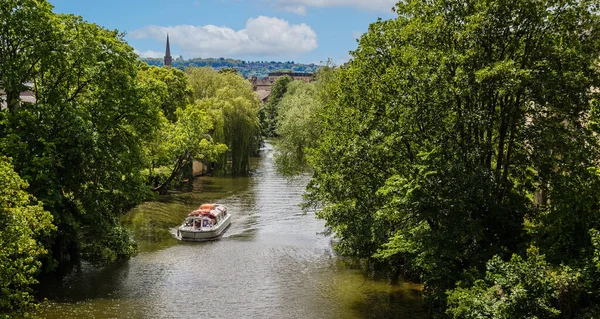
[274, 261]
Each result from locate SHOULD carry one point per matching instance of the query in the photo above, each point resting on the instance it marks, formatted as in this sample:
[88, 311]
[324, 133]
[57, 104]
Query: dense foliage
[247, 69]
[79, 145]
[22, 222]
[517, 289]
[233, 105]
[170, 87]
[298, 122]
[461, 133]
[183, 129]
[269, 110]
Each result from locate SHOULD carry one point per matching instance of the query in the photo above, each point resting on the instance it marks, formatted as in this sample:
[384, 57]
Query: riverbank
[273, 262]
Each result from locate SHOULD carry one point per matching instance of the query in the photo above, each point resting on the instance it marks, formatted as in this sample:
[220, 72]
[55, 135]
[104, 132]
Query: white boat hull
[203, 234]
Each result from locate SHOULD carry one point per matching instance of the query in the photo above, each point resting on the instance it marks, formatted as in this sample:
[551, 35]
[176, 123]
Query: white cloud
[297, 9]
[262, 36]
[299, 6]
[149, 54]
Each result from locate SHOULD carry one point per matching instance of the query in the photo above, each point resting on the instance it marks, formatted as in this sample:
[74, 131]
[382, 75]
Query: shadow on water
[154, 224]
[389, 304]
[388, 301]
[274, 261]
[87, 282]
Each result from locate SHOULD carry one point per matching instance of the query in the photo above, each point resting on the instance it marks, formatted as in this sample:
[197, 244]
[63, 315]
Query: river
[274, 261]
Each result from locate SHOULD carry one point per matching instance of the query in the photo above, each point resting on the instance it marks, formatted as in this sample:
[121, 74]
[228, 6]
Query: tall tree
[187, 139]
[269, 111]
[79, 145]
[234, 108]
[168, 88]
[171, 86]
[446, 121]
[299, 121]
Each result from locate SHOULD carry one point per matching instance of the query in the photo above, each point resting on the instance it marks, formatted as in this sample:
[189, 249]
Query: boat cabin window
[207, 222]
[198, 221]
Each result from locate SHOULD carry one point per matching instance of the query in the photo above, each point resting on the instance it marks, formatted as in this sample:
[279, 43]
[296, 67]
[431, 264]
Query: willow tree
[234, 107]
[443, 125]
[299, 121]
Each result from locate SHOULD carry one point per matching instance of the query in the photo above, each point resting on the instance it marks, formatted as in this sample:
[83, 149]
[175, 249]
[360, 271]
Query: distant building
[261, 84]
[26, 96]
[262, 87]
[263, 95]
[168, 57]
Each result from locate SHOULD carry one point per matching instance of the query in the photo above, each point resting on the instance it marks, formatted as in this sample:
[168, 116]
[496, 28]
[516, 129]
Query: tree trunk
[12, 100]
[181, 162]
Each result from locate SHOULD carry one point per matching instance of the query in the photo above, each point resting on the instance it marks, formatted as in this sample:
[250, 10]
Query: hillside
[259, 69]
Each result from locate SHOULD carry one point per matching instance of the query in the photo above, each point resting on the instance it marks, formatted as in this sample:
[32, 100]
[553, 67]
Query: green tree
[518, 288]
[80, 145]
[22, 221]
[228, 70]
[592, 279]
[299, 121]
[188, 139]
[234, 109]
[269, 111]
[27, 36]
[443, 125]
[171, 86]
[205, 82]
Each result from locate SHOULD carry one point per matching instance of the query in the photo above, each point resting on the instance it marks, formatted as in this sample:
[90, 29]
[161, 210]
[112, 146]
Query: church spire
[168, 58]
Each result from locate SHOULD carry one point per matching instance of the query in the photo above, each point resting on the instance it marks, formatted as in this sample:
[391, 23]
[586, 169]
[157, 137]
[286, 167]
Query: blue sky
[306, 31]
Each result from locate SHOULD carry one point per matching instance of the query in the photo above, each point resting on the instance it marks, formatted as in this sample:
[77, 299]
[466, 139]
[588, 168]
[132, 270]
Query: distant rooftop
[263, 94]
[26, 96]
[292, 74]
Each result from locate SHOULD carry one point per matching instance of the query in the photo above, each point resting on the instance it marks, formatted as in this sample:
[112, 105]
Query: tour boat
[206, 223]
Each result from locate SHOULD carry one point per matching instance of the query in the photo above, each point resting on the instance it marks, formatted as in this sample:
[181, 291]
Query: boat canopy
[210, 210]
[207, 206]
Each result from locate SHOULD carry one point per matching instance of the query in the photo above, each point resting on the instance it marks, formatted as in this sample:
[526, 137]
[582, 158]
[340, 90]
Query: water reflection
[270, 263]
